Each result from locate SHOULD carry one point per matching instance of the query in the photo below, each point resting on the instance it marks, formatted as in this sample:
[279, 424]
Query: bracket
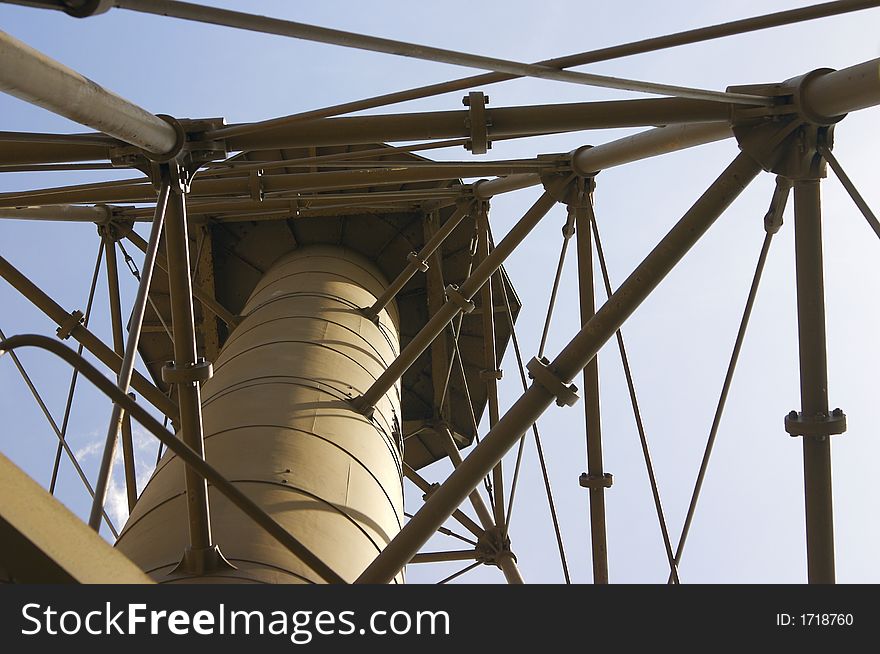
[605, 480]
[413, 257]
[198, 372]
[478, 122]
[458, 299]
[66, 328]
[823, 424]
[539, 370]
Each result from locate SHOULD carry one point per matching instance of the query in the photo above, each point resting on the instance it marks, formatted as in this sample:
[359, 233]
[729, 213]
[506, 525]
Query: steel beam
[43, 542]
[505, 121]
[126, 370]
[814, 380]
[573, 358]
[91, 342]
[63, 213]
[185, 361]
[437, 323]
[33, 77]
[181, 449]
[595, 470]
[651, 143]
[842, 91]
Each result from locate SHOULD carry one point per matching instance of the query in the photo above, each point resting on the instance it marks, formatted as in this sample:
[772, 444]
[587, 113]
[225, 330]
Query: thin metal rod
[459, 573]
[567, 231]
[427, 488]
[573, 358]
[814, 380]
[126, 369]
[546, 477]
[584, 218]
[449, 532]
[33, 77]
[251, 22]
[128, 463]
[181, 449]
[185, 358]
[654, 44]
[91, 342]
[419, 260]
[637, 414]
[851, 188]
[443, 557]
[73, 377]
[41, 168]
[722, 400]
[437, 323]
[62, 442]
[67, 139]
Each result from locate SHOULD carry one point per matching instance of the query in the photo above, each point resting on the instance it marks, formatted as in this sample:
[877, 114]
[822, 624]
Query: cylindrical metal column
[279, 426]
[814, 379]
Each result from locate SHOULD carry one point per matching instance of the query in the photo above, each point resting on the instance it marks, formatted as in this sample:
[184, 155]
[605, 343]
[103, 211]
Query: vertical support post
[814, 380]
[184, 369]
[491, 372]
[126, 368]
[436, 298]
[595, 479]
[119, 348]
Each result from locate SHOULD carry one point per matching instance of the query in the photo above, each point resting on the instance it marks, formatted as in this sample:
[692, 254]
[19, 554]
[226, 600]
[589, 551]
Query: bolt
[466, 101]
[792, 415]
[837, 413]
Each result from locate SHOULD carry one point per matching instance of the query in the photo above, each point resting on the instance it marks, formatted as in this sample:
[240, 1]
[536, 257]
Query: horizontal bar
[661, 140]
[33, 77]
[60, 212]
[505, 121]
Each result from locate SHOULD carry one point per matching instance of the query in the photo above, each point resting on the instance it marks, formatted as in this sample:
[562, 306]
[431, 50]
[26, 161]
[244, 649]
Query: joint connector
[486, 375]
[453, 295]
[539, 370]
[361, 407]
[821, 424]
[199, 371]
[370, 314]
[202, 561]
[413, 257]
[605, 480]
[433, 489]
[66, 328]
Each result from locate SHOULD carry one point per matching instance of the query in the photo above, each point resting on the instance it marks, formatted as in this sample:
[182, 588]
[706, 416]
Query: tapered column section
[279, 426]
[814, 380]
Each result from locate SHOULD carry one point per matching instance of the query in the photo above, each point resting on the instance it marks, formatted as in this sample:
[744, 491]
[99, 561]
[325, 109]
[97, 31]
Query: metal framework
[226, 205]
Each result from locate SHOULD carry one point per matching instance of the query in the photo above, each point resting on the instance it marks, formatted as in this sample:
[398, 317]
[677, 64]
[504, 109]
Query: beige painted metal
[278, 424]
[41, 541]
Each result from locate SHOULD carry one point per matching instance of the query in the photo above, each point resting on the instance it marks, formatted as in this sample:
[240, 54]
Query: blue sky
[749, 525]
